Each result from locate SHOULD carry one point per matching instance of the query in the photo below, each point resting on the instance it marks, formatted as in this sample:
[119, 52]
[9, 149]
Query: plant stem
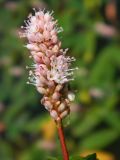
[62, 141]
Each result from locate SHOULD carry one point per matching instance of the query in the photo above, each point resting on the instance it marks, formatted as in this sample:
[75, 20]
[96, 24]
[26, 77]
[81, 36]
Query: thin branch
[62, 141]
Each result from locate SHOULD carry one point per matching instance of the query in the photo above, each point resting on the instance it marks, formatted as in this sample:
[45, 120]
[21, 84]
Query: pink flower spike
[51, 71]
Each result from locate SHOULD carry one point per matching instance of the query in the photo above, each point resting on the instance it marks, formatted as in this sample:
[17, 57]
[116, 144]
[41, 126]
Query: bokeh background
[91, 32]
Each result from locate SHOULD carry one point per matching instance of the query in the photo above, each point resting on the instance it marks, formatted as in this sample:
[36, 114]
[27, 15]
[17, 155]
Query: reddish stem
[62, 141]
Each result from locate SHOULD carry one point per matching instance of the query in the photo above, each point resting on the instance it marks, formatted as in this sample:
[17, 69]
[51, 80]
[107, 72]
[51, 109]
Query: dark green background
[95, 116]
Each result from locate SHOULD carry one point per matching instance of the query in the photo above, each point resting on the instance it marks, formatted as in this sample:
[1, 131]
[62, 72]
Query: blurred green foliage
[95, 117]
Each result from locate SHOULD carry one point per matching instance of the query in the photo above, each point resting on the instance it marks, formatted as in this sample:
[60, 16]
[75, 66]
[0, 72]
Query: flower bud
[32, 47]
[55, 49]
[47, 17]
[54, 114]
[64, 114]
[58, 87]
[61, 107]
[71, 96]
[46, 35]
[42, 90]
[48, 105]
[37, 59]
[56, 96]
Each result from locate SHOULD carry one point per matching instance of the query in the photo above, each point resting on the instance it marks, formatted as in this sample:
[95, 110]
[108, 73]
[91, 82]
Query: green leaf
[99, 139]
[91, 157]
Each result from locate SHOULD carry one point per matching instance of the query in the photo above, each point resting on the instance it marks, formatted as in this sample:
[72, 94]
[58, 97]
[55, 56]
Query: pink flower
[51, 70]
[41, 27]
[60, 71]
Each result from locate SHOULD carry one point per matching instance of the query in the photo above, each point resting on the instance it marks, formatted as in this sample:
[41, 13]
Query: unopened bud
[61, 107]
[37, 59]
[57, 103]
[54, 114]
[56, 96]
[46, 60]
[50, 83]
[55, 48]
[71, 96]
[32, 47]
[42, 90]
[54, 39]
[48, 105]
[64, 114]
[58, 88]
[42, 79]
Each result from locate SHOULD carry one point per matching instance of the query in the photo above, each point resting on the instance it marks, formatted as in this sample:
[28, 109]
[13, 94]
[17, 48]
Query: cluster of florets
[50, 71]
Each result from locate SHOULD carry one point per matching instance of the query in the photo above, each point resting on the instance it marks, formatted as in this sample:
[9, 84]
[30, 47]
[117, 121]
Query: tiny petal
[71, 96]
[37, 59]
[54, 114]
[43, 79]
[56, 96]
[40, 54]
[47, 17]
[57, 103]
[46, 60]
[58, 87]
[48, 105]
[50, 83]
[54, 39]
[41, 90]
[32, 47]
[61, 107]
[55, 49]
[46, 35]
[64, 114]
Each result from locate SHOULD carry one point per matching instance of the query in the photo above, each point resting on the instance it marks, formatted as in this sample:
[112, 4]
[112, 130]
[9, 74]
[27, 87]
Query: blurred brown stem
[62, 140]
